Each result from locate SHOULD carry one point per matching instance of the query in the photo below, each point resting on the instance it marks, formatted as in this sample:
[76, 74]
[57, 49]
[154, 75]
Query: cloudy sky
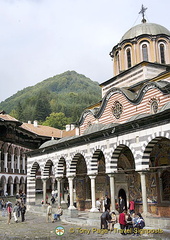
[43, 38]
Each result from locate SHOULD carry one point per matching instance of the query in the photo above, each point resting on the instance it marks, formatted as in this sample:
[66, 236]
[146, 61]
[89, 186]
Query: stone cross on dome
[142, 11]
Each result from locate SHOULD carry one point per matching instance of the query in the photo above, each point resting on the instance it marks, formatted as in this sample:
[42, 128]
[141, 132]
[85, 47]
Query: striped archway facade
[140, 143]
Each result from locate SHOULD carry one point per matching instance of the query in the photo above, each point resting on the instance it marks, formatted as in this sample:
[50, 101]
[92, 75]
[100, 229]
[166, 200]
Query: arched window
[162, 53]
[128, 55]
[145, 52]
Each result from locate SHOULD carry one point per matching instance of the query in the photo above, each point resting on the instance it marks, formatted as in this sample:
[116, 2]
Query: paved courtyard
[36, 227]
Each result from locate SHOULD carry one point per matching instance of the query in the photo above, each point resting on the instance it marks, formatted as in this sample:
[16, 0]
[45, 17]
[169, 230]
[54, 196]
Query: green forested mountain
[68, 93]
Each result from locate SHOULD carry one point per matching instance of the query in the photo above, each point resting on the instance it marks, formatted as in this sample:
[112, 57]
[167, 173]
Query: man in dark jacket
[104, 218]
[107, 203]
[121, 204]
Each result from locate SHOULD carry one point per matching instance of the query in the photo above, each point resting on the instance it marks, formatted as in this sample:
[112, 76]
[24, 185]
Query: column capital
[71, 177]
[44, 179]
[111, 174]
[143, 172]
[92, 176]
[58, 178]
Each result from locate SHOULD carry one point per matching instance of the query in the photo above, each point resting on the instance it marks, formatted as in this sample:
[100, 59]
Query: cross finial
[142, 11]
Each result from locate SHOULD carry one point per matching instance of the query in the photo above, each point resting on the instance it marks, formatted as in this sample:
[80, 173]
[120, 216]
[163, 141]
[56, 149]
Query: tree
[42, 107]
[57, 120]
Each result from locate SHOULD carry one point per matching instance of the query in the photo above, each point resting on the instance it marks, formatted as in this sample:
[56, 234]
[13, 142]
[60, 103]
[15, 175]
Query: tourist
[49, 213]
[59, 213]
[9, 212]
[23, 211]
[129, 225]
[24, 197]
[98, 204]
[132, 206]
[104, 218]
[15, 212]
[121, 204]
[68, 200]
[112, 221]
[107, 203]
[52, 200]
[19, 208]
[122, 222]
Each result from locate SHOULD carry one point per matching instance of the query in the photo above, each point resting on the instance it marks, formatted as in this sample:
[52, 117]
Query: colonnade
[17, 163]
[93, 191]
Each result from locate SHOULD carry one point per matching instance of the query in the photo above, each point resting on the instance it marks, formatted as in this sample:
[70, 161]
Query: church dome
[49, 143]
[145, 28]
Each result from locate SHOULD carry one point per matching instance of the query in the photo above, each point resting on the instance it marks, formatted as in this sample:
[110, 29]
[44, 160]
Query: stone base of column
[72, 208]
[73, 213]
[146, 214]
[94, 210]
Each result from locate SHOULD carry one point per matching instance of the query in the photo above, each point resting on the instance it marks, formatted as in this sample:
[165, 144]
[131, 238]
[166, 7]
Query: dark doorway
[122, 193]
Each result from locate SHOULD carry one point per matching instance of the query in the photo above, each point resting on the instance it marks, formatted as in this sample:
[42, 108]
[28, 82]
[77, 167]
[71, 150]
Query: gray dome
[145, 28]
[48, 143]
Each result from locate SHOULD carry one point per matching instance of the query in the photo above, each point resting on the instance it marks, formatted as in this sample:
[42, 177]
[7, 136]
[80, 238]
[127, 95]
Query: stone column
[44, 190]
[112, 190]
[17, 187]
[23, 163]
[53, 183]
[5, 187]
[18, 163]
[5, 161]
[70, 180]
[59, 190]
[93, 194]
[62, 191]
[31, 196]
[23, 187]
[144, 196]
[11, 189]
[12, 163]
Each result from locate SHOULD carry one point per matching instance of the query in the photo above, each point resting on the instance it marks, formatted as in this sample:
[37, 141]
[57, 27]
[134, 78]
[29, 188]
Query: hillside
[68, 92]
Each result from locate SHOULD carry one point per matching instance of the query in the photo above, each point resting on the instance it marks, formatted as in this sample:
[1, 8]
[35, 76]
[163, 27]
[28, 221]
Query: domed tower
[144, 42]
[142, 53]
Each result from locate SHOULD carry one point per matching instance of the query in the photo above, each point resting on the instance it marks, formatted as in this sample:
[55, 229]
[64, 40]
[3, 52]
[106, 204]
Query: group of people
[131, 223]
[103, 204]
[57, 215]
[18, 210]
[128, 220]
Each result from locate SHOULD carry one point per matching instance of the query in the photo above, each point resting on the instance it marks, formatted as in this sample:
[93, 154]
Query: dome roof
[145, 28]
[48, 143]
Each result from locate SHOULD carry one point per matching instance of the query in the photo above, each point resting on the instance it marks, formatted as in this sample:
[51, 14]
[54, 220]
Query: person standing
[49, 213]
[68, 200]
[107, 203]
[122, 221]
[132, 206]
[98, 204]
[23, 210]
[9, 212]
[15, 212]
[121, 204]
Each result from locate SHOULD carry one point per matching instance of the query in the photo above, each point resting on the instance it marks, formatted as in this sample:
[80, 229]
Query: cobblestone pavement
[36, 227]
